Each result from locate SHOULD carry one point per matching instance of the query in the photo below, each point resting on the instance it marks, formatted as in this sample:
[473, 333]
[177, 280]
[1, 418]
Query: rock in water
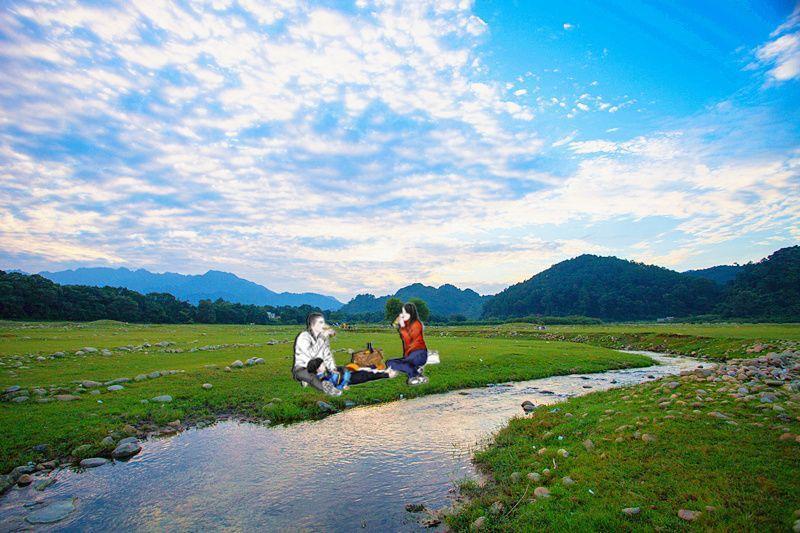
[52, 513]
[93, 462]
[126, 449]
[528, 406]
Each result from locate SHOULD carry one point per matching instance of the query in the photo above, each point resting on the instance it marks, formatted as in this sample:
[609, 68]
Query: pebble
[647, 437]
[24, 480]
[528, 406]
[325, 406]
[534, 476]
[207, 385]
[237, 364]
[165, 398]
[107, 442]
[588, 444]
[89, 384]
[140, 377]
[113, 388]
[563, 453]
[566, 480]
[479, 523]
[541, 492]
[20, 399]
[631, 511]
[689, 516]
[93, 462]
[497, 508]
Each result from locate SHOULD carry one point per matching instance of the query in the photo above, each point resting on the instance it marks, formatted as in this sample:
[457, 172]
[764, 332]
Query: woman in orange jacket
[415, 352]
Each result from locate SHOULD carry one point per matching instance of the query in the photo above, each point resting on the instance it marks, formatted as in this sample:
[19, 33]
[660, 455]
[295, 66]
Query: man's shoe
[330, 389]
[415, 381]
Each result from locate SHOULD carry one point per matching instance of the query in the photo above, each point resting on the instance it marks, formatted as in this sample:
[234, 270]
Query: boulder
[93, 462]
[528, 406]
[126, 449]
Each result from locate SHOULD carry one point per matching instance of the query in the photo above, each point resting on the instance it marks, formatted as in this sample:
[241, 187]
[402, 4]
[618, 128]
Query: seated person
[314, 343]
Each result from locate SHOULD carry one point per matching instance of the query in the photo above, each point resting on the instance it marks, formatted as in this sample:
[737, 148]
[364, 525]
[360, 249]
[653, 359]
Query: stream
[353, 470]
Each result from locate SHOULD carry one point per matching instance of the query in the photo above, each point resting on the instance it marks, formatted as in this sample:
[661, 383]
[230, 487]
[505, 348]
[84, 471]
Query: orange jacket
[412, 337]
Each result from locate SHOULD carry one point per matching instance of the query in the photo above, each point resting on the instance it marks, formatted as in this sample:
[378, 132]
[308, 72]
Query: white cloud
[781, 54]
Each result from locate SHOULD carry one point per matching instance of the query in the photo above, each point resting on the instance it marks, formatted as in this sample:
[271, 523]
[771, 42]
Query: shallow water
[356, 469]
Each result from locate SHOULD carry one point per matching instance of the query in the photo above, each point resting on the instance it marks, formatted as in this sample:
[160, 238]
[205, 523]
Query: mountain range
[191, 288]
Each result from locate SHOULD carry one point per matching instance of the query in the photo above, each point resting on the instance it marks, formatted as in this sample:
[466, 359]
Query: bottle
[369, 347]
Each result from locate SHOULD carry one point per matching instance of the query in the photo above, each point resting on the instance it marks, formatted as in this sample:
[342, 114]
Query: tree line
[32, 297]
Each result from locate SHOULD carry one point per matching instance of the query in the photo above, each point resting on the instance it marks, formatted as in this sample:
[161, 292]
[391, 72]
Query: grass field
[261, 392]
[740, 472]
[713, 341]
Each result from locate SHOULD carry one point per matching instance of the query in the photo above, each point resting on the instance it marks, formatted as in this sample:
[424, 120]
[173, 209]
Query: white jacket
[306, 348]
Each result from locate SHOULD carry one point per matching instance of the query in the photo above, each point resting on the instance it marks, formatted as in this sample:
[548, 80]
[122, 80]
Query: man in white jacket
[314, 343]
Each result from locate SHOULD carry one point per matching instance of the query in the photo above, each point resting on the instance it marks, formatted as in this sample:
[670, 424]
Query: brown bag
[369, 358]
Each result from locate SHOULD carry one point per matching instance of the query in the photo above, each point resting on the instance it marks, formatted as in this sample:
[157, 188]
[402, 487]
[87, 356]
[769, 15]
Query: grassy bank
[710, 445]
[200, 354]
[712, 341]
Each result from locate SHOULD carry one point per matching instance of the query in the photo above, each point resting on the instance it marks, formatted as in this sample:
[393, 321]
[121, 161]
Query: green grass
[262, 392]
[713, 341]
[743, 471]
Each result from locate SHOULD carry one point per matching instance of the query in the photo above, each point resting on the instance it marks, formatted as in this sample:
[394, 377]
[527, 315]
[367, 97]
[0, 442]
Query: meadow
[199, 354]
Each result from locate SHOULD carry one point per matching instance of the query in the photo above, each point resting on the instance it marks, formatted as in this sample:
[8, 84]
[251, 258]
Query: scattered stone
[81, 450]
[140, 377]
[12, 388]
[566, 480]
[541, 492]
[647, 437]
[21, 470]
[207, 385]
[237, 364]
[786, 436]
[631, 511]
[415, 507]
[155, 374]
[563, 453]
[528, 406]
[51, 513]
[44, 483]
[497, 508]
[20, 399]
[66, 397]
[24, 480]
[534, 476]
[227, 369]
[479, 523]
[89, 349]
[126, 449]
[165, 398]
[689, 516]
[588, 444]
[93, 462]
[113, 388]
[326, 407]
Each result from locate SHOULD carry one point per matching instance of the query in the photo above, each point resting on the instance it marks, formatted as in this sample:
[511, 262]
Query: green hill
[608, 288]
[444, 301]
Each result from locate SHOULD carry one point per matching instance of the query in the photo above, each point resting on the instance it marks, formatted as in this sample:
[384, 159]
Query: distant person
[415, 351]
[314, 343]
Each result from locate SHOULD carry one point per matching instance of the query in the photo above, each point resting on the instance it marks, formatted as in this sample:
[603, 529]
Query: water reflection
[356, 469]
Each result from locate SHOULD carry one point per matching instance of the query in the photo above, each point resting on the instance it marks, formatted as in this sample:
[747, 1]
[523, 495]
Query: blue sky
[348, 147]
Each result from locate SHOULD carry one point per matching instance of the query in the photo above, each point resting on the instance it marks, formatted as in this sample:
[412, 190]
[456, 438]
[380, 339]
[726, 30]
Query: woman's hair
[311, 318]
[411, 309]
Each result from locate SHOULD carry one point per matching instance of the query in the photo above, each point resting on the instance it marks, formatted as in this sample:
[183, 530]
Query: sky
[360, 146]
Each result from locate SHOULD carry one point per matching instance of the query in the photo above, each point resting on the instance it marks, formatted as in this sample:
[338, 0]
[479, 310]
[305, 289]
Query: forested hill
[37, 298]
[767, 290]
[721, 274]
[444, 302]
[608, 288]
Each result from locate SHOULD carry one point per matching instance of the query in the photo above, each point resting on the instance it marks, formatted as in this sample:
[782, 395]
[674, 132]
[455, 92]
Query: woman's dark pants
[410, 364]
